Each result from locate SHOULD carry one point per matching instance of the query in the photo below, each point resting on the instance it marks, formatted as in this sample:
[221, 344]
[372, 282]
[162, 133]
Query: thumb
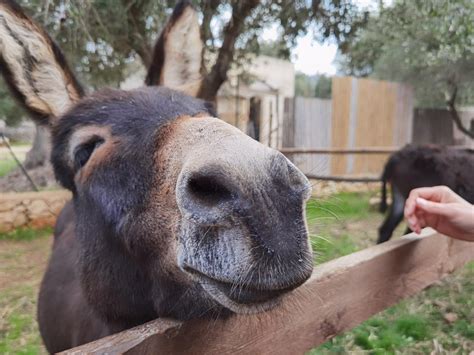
[436, 208]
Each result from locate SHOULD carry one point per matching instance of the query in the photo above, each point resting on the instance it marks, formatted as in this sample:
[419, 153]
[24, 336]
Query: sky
[308, 56]
[311, 57]
[314, 58]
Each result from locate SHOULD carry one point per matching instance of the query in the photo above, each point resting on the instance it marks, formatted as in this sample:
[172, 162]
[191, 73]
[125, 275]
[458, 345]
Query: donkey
[174, 212]
[422, 166]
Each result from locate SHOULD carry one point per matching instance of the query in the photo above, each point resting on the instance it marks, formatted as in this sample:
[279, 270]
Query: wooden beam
[344, 178]
[124, 341]
[339, 295]
[369, 150]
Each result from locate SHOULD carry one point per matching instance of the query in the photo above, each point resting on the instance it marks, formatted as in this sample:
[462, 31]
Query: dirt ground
[22, 264]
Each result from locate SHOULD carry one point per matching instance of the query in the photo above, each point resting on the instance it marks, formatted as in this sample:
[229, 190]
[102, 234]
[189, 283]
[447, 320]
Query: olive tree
[429, 44]
[101, 37]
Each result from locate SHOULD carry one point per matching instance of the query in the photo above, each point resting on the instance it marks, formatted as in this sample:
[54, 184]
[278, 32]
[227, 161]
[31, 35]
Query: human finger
[440, 209]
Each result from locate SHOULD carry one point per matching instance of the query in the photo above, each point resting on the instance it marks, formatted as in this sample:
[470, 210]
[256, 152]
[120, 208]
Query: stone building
[252, 99]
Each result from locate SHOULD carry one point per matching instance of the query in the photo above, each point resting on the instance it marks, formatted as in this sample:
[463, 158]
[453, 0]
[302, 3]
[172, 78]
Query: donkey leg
[394, 217]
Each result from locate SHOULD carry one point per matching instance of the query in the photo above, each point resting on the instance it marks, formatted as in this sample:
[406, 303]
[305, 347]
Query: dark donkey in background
[174, 212]
[423, 166]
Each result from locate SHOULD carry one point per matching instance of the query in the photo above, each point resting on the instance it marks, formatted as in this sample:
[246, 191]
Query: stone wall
[31, 209]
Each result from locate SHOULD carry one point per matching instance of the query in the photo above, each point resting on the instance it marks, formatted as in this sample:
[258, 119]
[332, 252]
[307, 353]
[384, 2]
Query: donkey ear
[34, 67]
[176, 59]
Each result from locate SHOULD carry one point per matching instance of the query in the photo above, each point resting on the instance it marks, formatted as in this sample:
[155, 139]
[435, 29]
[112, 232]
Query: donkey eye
[84, 152]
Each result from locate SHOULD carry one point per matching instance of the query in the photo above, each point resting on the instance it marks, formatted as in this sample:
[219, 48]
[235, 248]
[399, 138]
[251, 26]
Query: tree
[40, 152]
[101, 37]
[305, 85]
[323, 88]
[426, 43]
[275, 49]
[313, 85]
[10, 112]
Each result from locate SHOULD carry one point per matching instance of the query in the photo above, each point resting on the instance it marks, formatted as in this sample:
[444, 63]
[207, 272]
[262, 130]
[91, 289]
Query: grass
[339, 225]
[325, 219]
[23, 256]
[26, 234]
[344, 223]
[6, 166]
[18, 328]
[326, 249]
[340, 206]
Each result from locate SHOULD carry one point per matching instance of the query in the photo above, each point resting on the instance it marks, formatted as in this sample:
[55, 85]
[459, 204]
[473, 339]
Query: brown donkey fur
[174, 212]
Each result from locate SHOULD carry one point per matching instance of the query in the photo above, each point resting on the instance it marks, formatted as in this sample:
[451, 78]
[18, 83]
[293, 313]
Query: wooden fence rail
[369, 150]
[339, 295]
[342, 151]
[344, 178]
[290, 152]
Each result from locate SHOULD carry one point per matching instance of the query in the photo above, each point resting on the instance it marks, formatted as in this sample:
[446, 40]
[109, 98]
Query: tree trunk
[218, 74]
[451, 103]
[137, 37]
[41, 149]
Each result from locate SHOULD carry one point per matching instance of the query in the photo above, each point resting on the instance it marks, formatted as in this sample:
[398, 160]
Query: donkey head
[176, 212]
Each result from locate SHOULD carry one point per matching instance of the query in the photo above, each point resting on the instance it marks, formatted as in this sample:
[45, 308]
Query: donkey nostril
[208, 190]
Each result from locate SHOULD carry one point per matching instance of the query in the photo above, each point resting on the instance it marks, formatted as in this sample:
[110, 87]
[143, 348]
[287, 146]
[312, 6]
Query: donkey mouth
[243, 299]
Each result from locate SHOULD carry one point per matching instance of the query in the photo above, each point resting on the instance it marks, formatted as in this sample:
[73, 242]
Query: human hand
[440, 208]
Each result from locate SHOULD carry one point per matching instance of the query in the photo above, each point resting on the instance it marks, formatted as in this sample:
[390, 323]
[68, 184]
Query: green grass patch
[323, 214]
[19, 330]
[326, 248]
[339, 206]
[26, 234]
[383, 335]
[464, 328]
[6, 166]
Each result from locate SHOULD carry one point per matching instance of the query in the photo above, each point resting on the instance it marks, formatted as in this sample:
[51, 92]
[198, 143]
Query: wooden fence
[339, 295]
[308, 124]
[368, 113]
[369, 151]
[366, 150]
[361, 113]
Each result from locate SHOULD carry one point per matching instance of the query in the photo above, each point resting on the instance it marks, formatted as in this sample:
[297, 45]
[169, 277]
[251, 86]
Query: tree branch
[451, 103]
[218, 74]
[46, 11]
[137, 37]
[208, 9]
